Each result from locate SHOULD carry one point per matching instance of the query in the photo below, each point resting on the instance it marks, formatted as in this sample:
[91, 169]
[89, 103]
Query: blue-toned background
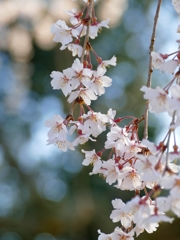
[46, 194]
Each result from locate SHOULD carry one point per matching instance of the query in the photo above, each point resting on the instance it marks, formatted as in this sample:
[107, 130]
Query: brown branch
[87, 31]
[89, 16]
[151, 48]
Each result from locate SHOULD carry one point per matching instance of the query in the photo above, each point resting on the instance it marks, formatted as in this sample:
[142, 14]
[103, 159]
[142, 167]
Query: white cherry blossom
[63, 145]
[131, 149]
[92, 158]
[111, 114]
[175, 204]
[82, 139]
[104, 236]
[119, 215]
[157, 60]
[110, 171]
[175, 190]
[63, 81]
[86, 94]
[80, 73]
[58, 128]
[74, 16]
[98, 82]
[117, 137]
[145, 167]
[63, 33]
[140, 208]
[106, 63]
[118, 234]
[169, 66]
[82, 29]
[95, 27]
[95, 123]
[84, 134]
[129, 180]
[175, 98]
[150, 145]
[163, 204]
[158, 99]
[176, 4]
[151, 223]
[132, 164]
[76, 49]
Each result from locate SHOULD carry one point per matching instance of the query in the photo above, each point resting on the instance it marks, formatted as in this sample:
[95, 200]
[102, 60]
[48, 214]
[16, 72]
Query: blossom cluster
[133, 164]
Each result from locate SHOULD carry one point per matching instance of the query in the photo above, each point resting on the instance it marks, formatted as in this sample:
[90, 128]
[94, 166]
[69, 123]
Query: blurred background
[46, 194]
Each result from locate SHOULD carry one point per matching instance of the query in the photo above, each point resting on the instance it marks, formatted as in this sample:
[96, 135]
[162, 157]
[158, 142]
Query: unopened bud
[99, 60]
[164, 56]
[117, 120]
[79, 132]
[99, 153]
[175, 147]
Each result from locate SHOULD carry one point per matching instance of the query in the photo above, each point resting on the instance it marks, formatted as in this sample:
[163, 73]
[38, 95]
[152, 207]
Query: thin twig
[168, 141]
[87, 31]
[151, 48]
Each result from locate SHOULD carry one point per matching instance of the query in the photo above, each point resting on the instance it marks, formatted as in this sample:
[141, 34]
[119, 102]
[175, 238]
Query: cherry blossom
[145, 167]
[175, 204]
[119, 215]
[99, 81]
[62, 33]
[58, 129]
[76, 49]
[151, 223]
[169, 66]
[110, 171]
[95, 27]
[86, 94]
[132, 164]
[176, 4]
[129, 179]
[95, 123]
[83, 133]
[121, 235]
[63, 145]
[175, 99]
[157, 60]
[106, 63]
[58, 133]
[82, 139]
[92, 158]
[111, 114]
[150, 145]
[74, 16]
[63, 81]
[116, 138]
[118, 234]
[104, 236]
[159, 99]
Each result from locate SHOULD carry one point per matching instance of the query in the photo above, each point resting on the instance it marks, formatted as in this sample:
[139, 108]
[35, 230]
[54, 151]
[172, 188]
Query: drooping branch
[87, 31]
[151, 48]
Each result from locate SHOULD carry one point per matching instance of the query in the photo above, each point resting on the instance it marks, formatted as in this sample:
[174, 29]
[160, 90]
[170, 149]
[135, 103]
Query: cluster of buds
[133, 164]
